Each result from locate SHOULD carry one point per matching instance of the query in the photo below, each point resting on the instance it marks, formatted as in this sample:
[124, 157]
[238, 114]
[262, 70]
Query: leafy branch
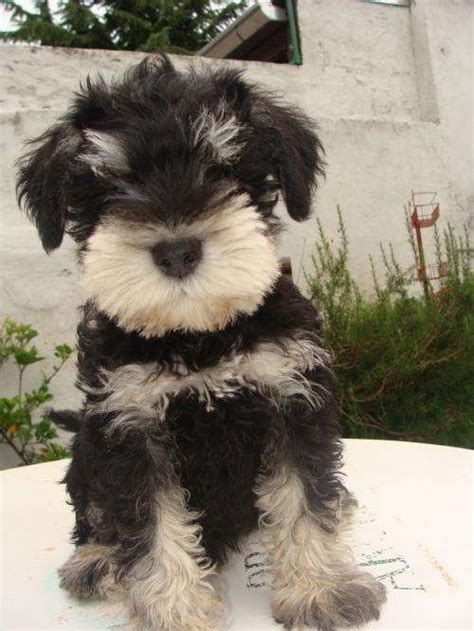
[31, 441]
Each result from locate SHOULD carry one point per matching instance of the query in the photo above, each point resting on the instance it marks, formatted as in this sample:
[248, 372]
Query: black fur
[151, 112]
[70, 420]
[156, 169]
[216, 454]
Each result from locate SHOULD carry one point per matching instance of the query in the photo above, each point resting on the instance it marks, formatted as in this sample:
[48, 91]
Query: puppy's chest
[272, 371]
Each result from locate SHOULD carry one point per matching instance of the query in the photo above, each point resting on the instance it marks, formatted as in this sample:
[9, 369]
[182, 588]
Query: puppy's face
[167, 181]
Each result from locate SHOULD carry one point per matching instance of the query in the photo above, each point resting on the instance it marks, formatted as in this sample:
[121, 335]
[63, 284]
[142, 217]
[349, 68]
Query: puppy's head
[168, 180]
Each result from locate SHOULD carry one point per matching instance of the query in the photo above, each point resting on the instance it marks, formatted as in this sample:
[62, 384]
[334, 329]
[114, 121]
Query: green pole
[296, 56]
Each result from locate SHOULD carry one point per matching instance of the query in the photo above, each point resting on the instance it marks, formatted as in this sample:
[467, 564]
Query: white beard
[238, 267]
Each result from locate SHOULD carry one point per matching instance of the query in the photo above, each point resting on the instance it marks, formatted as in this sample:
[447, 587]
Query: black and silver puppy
[210, 404]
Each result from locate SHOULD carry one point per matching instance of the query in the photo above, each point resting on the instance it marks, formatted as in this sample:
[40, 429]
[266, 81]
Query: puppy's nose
[177, 258]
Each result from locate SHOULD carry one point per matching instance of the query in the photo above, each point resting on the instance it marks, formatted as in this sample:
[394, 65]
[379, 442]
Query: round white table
[413, 530]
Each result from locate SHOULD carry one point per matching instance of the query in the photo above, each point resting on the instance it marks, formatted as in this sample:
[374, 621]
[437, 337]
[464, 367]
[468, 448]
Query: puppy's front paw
[89, 573]
[330, 605]
[358, 601]
[196, 609]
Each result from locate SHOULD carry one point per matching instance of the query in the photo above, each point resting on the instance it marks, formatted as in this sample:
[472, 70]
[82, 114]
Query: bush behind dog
[404, 363]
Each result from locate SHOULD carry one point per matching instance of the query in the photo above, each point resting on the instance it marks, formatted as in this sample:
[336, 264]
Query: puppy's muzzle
[177, 258]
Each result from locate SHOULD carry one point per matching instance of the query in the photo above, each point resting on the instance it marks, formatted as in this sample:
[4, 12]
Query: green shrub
[31, 441]
[405, 364]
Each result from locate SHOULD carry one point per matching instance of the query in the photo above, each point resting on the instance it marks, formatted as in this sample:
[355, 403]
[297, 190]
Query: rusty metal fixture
[424, 212]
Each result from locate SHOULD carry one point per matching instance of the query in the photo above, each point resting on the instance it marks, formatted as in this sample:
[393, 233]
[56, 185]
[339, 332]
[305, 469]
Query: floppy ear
[49, 174]
[296, 154]
[42, 179]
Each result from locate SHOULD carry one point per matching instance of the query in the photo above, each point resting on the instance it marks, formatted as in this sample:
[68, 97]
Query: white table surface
[413, 529]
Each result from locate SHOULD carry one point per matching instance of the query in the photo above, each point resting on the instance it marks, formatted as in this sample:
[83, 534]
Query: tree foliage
[176, 26]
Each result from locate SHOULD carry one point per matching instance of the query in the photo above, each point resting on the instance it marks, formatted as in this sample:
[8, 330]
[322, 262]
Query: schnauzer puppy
[209, 400]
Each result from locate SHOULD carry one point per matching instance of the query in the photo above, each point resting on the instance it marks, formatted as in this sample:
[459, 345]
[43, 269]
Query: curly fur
[209, 399]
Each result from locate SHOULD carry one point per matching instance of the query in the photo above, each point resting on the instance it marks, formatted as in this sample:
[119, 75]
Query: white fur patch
[312, 571]
[169, 588]
[239, 266]
[139, 393]
[220, 132]
[108, 154]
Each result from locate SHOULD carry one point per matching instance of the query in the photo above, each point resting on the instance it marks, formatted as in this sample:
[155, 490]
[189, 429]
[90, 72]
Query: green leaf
[25, 357]
[25, 433]
[44, 431]
[53, 451]
[63, 351]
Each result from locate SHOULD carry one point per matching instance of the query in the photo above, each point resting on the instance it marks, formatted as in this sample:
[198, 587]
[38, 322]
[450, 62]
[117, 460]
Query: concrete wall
[390, 86]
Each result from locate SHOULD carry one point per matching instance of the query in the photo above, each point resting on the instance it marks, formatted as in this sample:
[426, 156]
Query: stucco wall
[391, 88]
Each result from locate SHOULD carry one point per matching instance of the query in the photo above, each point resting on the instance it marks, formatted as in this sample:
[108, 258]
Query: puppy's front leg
[305, 514]
[169, 588]
[134, 528]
